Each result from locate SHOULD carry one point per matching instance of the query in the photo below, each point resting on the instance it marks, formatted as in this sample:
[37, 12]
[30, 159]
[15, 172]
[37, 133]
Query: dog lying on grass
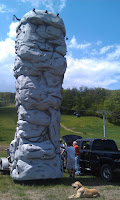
[83, 192]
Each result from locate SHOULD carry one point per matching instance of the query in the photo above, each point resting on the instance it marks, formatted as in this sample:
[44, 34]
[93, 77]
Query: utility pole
[104, 129]
[103, 112]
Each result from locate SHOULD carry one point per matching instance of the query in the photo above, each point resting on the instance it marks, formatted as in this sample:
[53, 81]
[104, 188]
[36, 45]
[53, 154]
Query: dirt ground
[3, 147]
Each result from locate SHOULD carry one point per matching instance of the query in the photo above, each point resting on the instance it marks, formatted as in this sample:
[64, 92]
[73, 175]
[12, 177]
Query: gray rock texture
[39, 70]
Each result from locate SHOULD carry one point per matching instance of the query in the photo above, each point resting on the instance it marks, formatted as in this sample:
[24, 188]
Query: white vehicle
[5, 164]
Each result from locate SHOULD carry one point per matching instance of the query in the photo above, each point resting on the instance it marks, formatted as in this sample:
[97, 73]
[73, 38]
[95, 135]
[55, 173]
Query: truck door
[85, 154]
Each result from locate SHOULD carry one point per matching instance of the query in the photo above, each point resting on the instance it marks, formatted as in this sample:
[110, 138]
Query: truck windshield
[104, 145]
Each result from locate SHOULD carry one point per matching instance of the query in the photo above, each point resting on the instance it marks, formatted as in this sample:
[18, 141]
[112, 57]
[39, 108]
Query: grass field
[90, 127]
[58, 189]
[8, 121]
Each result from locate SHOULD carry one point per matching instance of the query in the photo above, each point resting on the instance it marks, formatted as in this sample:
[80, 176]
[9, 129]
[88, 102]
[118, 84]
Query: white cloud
[115, 54]
[12, 32]
[92, 72]
[62, 4]
[7, 57]
[7, 49]
[94, 52]
[2, 8]
[106, 49]
[33, 2]
[99, 42]
[74, 44]
[7, 80]
[51, 5]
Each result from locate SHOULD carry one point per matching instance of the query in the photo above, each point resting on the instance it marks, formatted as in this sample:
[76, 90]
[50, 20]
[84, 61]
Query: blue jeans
[77, 166]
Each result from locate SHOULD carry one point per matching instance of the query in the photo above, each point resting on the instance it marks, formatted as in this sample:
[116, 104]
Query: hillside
[90, 101]
[8, 121]
[85, 101]
[56, 189]
[89, 127]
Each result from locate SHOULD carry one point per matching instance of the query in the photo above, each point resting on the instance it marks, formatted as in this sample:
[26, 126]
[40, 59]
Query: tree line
[92, 102]
[7, 98]
[85, 101]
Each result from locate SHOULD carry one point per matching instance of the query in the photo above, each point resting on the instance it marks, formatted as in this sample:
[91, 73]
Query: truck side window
[104, 145]
[86, 145]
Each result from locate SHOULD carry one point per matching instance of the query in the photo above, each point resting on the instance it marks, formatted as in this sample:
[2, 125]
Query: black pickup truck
[99, 156]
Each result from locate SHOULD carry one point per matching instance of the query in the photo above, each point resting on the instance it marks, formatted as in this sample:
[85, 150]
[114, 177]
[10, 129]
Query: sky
[93, 45]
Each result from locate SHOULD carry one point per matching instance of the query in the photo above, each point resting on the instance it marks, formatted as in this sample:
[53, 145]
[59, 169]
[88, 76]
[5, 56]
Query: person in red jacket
[77, 158]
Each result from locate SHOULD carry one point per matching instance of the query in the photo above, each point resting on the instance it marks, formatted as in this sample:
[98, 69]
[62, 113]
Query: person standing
[62, 153]
[61, 145]
[70, 159]
[77, 158]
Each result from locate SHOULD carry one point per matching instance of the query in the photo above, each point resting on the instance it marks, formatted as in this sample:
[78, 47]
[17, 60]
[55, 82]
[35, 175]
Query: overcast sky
[93, 45]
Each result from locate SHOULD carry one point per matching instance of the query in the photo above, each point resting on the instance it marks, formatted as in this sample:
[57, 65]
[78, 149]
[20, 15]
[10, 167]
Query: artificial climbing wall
[39, 70]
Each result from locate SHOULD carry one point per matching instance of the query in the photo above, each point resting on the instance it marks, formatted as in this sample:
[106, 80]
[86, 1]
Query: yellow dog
[83, 192]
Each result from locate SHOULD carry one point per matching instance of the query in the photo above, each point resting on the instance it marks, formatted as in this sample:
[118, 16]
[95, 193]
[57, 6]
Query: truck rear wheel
[106, 172]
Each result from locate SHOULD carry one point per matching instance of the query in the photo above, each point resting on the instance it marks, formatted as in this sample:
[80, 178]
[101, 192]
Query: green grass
[90, 127]
[8, 122]
[60, 188]
[3, 154]
[54, 189]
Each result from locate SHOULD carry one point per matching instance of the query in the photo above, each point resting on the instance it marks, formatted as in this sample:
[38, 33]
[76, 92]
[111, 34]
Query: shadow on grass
[85, 180]
[2, 139]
